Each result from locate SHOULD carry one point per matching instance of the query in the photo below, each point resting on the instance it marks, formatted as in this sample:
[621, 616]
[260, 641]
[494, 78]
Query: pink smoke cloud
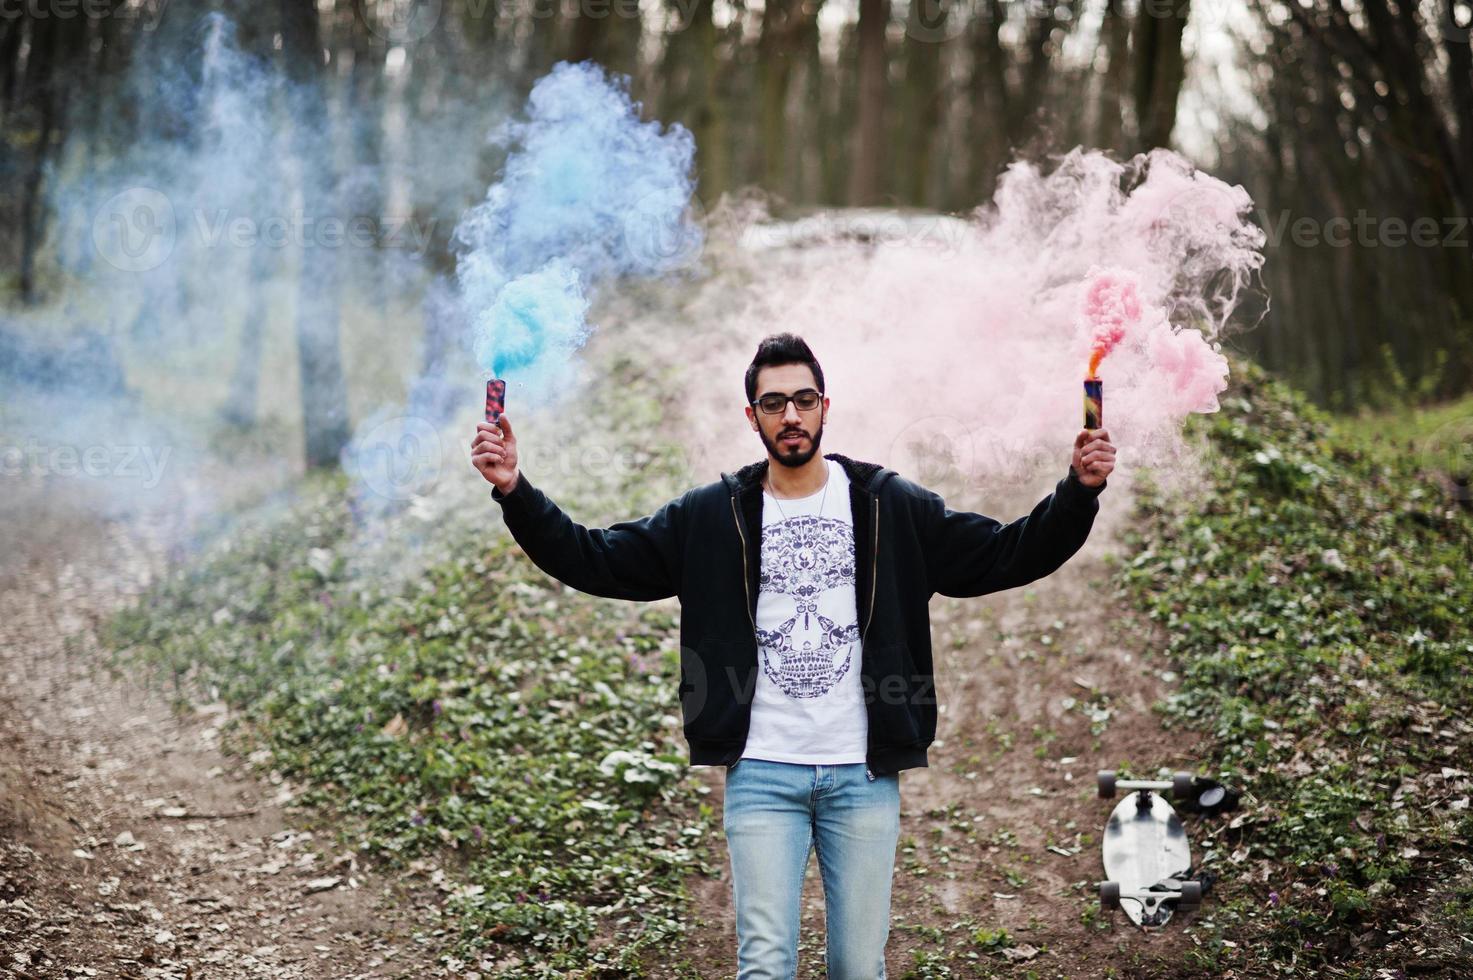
[962, 339]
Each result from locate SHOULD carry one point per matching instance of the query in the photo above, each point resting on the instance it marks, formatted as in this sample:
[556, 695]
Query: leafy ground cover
[1316, 598]
[467, 717]
[521, 741]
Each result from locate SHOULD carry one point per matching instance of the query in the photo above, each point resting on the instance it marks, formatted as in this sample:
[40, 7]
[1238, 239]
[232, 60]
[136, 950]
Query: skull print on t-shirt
[808, 705]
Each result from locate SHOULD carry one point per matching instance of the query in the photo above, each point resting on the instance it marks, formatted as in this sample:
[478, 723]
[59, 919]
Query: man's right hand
[494, 453]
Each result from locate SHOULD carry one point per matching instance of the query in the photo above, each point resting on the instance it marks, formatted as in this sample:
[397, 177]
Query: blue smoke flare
[589, 192]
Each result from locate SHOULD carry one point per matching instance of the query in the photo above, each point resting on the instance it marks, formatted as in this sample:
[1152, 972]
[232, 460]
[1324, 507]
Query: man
[804, 582]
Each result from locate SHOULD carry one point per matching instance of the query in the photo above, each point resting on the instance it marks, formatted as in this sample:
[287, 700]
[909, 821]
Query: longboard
[1146, 854]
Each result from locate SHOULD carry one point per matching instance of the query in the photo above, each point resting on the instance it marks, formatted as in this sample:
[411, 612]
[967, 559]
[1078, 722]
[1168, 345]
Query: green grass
[1405, 425]
[1438, 438]
[463, 711]
[1317, 601]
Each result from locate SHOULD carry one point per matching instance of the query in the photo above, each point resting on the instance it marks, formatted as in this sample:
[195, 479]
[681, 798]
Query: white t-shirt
[808, 704]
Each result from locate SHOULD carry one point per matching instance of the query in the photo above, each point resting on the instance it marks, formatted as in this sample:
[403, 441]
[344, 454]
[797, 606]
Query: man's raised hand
[494, 453]
[1094, 456]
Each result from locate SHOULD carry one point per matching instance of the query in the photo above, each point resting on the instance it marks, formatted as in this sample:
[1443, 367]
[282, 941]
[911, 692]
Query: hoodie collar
[868, 476]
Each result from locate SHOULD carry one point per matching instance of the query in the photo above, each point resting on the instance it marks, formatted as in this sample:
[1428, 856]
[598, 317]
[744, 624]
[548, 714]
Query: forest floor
[133, 846]
[130, 845]
[1302, 631]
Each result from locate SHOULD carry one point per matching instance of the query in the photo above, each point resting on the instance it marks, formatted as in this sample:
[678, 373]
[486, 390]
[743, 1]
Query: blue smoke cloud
[589, 192]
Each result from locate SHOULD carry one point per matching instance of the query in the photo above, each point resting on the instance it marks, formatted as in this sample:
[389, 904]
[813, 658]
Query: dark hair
[777, 349]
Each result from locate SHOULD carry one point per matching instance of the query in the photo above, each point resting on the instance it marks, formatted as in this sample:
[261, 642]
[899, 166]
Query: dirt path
[1039, 687]
[129, 845]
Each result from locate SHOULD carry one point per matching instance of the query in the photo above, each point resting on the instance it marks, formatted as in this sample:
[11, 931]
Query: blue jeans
[774, 813]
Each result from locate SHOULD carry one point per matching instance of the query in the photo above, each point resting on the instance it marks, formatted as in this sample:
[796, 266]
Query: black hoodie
[705, 547]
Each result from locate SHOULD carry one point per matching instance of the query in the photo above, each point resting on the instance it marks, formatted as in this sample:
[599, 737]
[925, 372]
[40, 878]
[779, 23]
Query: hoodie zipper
[746, 588]
[874, 570]
[869, 618]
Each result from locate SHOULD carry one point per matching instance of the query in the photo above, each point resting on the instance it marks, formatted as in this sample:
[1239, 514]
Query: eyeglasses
[773, 404]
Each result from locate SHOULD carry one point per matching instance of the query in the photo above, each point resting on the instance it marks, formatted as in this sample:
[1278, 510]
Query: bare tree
[324, 395]
[777, 49]
[868, 168]
[921, 96]
[1159, 69]
[1115, 46]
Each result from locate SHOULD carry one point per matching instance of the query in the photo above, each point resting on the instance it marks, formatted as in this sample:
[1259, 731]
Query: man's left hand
[1094, 456]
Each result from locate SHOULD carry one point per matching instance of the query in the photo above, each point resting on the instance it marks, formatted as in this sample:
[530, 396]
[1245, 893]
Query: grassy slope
[1317, 599]
[474, 715]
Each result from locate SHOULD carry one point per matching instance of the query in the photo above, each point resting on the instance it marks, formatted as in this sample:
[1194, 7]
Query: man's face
[791, 436]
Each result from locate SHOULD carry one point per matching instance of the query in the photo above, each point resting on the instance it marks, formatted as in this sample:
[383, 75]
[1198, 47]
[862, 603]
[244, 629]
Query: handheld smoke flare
[1111, 304]
[495, 399]
[1094, 403]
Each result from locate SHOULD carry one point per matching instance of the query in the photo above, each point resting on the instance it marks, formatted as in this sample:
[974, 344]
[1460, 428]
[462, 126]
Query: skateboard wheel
[1105, 779]
[1181, 785]
[1191, 896]
[1109, 895]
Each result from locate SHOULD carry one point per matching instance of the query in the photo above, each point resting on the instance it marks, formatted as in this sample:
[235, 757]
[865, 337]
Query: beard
[793, 456]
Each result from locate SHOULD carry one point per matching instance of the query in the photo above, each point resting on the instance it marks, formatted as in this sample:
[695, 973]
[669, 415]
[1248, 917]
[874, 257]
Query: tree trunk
[921, 100]
[365, 122]
[874, 85]
[606, 31]
[691, 92]
[11, 31]
[1456, 44]
[60, 44]
[40, 86]
[820, 131]
[776, 50]
[323, 390]
[243, 393]
[989, 137]
[1159, 72]
[1115, 43]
